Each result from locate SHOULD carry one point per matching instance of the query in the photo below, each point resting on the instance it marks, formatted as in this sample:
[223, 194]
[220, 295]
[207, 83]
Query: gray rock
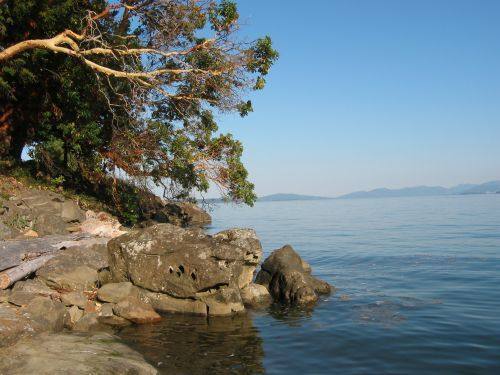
[136, 311]
[89, 322]
[104, 277]
[35, 286]
[164, 303]
[73, 278]
[74, 299]
[181, 263]
[255, 295]
[75, 269]
[99, 353]
[288, 278]
[7, 232]
[4, 295]
[73, 315]
[44, 211]
[183, 214]
[115, 292]
[46, 313]
[22, 298]
[106, 316]
[13, 324]
[222, 301]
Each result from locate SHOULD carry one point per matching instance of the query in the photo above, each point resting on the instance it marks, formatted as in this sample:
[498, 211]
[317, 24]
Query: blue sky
[371, 93]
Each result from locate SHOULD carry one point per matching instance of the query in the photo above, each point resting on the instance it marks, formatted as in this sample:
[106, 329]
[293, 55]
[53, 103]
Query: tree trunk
[10, 276]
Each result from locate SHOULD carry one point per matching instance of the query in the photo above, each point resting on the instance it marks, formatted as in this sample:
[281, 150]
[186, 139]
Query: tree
[100, 86]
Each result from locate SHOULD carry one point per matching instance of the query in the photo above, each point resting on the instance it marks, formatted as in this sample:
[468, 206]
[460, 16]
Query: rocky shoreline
[95, 277]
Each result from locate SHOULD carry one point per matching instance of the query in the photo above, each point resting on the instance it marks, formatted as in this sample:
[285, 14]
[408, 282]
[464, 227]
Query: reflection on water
[197, 345]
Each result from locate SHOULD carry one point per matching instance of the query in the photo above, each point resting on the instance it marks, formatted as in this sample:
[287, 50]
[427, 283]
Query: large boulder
[100, 353]
[187, 264]
[288, 278]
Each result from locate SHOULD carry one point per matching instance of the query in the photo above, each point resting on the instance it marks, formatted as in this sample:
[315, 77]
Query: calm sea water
[420, 280]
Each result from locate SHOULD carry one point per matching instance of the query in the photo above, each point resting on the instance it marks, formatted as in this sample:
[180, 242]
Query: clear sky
[373, 93]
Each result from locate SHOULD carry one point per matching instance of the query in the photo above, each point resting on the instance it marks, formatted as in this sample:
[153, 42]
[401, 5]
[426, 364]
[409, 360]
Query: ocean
[418, 291]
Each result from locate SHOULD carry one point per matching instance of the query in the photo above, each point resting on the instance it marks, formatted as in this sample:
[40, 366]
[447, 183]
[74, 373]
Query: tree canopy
[98, 88]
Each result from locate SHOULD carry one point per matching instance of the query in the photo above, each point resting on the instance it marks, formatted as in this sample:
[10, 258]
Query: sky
[373, 93]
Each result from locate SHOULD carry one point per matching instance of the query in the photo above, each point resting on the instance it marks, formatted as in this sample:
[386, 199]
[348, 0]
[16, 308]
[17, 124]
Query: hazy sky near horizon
[373, 93]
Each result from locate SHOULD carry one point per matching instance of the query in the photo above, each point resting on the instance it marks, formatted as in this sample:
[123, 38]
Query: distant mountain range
[492, 187]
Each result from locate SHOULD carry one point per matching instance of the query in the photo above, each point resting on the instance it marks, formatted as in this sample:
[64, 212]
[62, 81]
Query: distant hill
[486, 188]
[289, 197]
[491, 187]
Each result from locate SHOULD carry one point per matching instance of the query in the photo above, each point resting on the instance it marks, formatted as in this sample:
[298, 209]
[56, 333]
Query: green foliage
[82, 127]
[223, 15]
[57, 181]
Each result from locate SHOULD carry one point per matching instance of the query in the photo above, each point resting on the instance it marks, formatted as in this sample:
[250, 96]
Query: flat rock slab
[14, 252]
[62, 353]
[75, 269]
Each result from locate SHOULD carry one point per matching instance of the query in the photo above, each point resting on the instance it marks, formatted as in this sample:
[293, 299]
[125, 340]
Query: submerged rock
[73, 354]
[288, 278]
[188, 265]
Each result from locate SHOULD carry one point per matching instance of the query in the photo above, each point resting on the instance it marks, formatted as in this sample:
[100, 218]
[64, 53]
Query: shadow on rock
[182, 344]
